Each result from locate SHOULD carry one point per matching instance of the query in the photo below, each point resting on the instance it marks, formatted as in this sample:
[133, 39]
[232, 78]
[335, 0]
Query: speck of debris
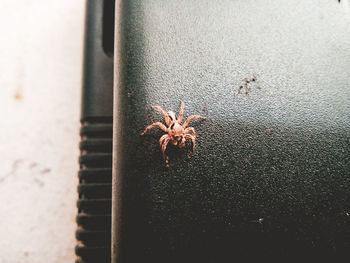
[33, 164]
[259, 220]
[205, 107]
[46, 170]
[246, 87]
[39, 182]
[26, 253]
[268, 130]
[17, 95]
[16, 163]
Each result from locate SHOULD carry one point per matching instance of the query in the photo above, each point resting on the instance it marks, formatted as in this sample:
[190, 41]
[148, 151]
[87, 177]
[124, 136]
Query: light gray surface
[40, 86]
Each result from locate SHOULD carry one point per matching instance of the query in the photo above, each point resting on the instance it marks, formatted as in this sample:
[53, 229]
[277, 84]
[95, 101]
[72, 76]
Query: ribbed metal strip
[95, 190]
[96, 160]
[93, 254]
[94, 238]
[100, 130]
[96, 175]
[97, 145]
[93, 206]
[95, 187]
[94, 222]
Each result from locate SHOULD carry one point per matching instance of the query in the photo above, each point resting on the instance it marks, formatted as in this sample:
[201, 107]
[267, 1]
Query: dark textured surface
[280, 154]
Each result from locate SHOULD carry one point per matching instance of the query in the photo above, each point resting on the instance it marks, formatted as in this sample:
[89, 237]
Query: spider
[177, 133]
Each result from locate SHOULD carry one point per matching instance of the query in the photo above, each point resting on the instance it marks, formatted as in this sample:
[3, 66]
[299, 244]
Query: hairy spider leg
[166, 117]
[187, 121]
[159, 124]
[193, 139]
[163, 141]
[181, 112]
[189, 130]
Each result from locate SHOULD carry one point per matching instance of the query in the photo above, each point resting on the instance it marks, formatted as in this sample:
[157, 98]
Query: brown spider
[177, 134]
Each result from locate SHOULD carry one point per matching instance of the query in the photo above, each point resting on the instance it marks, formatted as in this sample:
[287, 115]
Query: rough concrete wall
[40, 86]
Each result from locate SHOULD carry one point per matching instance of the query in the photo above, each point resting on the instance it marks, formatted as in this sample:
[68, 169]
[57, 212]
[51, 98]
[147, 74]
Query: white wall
[40, 85]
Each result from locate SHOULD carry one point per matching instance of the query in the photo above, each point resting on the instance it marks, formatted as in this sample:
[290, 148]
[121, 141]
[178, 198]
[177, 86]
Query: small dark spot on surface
[205, 107]
[17, 95]
[39, 182]
[26, 254]
[268, 130]
[247, 86]
[46, 170]
[15, 165]
[33, 164]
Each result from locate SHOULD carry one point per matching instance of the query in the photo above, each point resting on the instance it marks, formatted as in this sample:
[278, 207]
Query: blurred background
[41, 53]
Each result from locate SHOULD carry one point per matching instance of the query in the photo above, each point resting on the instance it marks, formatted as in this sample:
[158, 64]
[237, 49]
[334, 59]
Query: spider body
[176, 133]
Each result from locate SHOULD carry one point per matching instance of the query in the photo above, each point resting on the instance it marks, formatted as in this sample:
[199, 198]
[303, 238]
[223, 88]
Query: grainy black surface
[270, 176]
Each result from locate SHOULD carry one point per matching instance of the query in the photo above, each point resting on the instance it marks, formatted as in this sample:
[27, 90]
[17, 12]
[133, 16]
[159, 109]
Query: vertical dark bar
[98, 63]
[95, 175]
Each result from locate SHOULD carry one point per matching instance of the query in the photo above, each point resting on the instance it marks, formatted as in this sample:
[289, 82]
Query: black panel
[270, 178]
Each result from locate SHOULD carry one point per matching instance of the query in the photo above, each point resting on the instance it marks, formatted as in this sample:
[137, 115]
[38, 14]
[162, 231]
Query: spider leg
[166, 117]
[181, 112]
[182, 143]
[189, 130]
[159, 124]
[163, 141]
[193, 139]
[191, 118]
